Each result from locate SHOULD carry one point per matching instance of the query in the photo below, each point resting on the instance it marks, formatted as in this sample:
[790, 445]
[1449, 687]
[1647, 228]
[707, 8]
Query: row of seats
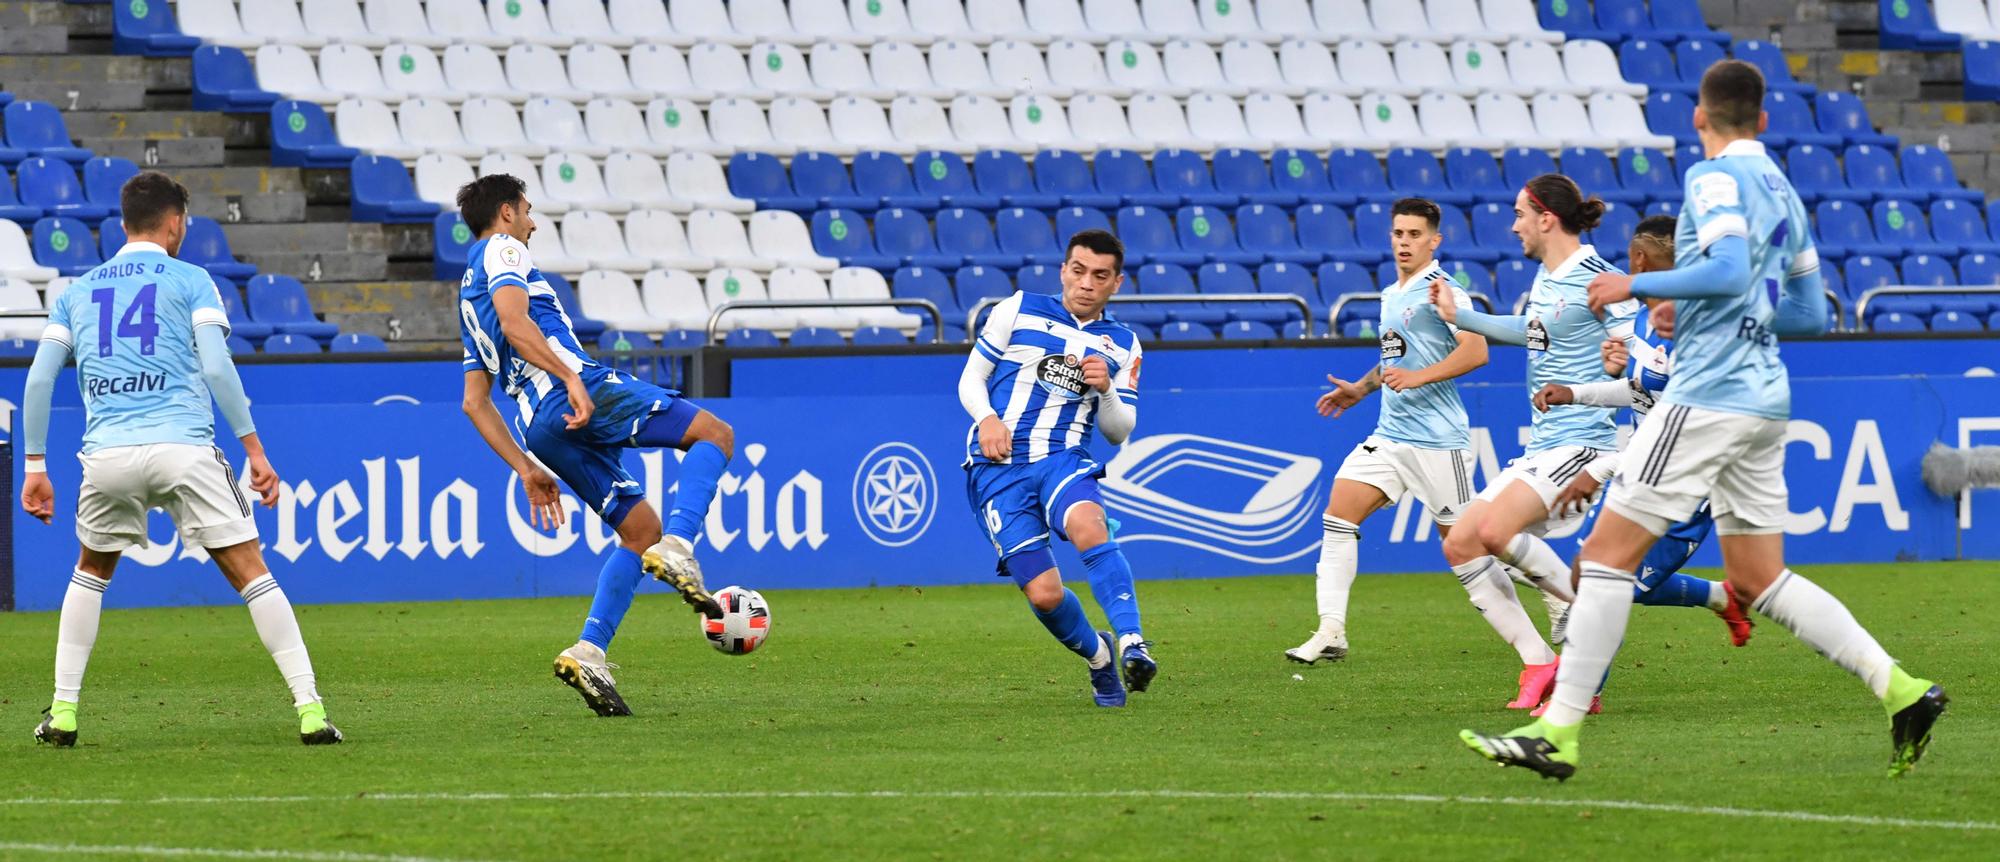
[1679, 69]
[1616, 21]
[573, 180]
[63, 246]
[675, 299]
[1909, 25]
[50, 187]
[649, 239]
[1827, 119]
[1002, 69]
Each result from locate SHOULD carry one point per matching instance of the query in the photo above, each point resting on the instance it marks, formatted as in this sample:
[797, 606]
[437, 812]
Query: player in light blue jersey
[1746, 274]
[1043, 372]
[577, 418]
[1421, 445]
[150, 339]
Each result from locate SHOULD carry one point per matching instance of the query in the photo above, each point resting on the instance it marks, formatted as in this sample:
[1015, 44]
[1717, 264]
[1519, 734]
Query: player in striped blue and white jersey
[1044, 371]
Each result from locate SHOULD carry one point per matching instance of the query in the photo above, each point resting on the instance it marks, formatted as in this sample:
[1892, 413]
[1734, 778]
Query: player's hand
[1343, 396]
[580, 404]
[1447, 305]
[1663, 319]
[38, 497]
[264, 480]
[1576, 496]
[545, 509]
[1399, 379]
[1552, 395]
[1097, 373]
[994, 441]
[1609, 288]
[1616, 356]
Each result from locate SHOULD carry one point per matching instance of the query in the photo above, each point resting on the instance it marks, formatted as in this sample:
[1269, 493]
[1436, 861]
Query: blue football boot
[1104, 683]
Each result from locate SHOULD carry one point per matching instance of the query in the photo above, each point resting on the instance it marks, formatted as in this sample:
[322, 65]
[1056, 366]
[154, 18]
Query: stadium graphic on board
[1230, 499]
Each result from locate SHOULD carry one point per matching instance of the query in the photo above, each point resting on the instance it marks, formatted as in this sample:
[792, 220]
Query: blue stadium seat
[1146, 334]
[1025, 234]
[37, 129]
[1895, 321]
[1125, 174]
[281, 301]
[905, 235]
[1842, 230]
[1293, 280]
[1683, 21]
[920, 282]
[302, 137]
[1625, 19]
[609, 345]
[586, 328]
[1472, 279]
[974, 283]
[1371, 227]
[943, 177]
[1296, 329]
[1864, 273]
[1929, 172]
[1522, 164]
[1458, 241]
[761, 177]
[149, 29]
[1979, 269]
[1647, 172]
[1230, 278]
[1160, 279]
[886, 178]
[1065, 174]
[1038, 278]
[1416, 173]
[11, 207]
[52, 185]
[1670, 113]
[1325, 229]
[1670, 209]
[1493, 229]
[1149, 238]
[1303, 173]
[1770, 60]
[1927, 270]
[104, 179]
[1982, 71]
[952, 334]
[225, 81]
[358, 342]
[1515, 276]
[817, 336]
[18, 348]
[1791, 123]
[1686, 156]
[451, 241]
[240, 346]
[1243, 175]
[1266, 231]
[1693, 57]
[879, 336]
[1072, 220]
[240, 324]
[1592, 171]
[1183, 330]
[1248, 330]
[1184, 174]
[207, 246]
[1358, 327]
[65, 244]
[1956, 321]
[844, 234]
[111, 237]
[1844, 115]
[750, 338]
[1338, 278]
[1359, 173]
[1957, 223]
[1901, 224]
[1873, 170]
[1614, 233]
[1207, 230]
[1907, 25]
[967, 234]
[823, 178]
[287, 343]
[1816, 175]
[1386, 274]
[1645, 61]
[1571, 18]
[1005, 177]
[1477, 173]
[382, 192]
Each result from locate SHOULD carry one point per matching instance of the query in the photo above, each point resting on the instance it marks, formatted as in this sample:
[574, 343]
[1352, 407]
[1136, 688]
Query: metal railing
[1305, 309]
[1868, 296]
[937, 317]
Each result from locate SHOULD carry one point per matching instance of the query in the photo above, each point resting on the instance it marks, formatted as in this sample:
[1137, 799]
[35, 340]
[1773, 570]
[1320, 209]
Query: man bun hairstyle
[1732, 95]
[151, 199]
[1418, 207]
[1097, 242]
[479, 201]
[1558, 194]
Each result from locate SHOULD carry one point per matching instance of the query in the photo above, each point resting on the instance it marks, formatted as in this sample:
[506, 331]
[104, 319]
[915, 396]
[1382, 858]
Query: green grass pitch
[944, 723]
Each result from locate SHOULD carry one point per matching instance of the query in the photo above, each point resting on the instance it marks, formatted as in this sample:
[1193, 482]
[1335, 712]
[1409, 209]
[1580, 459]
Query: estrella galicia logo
[1062, 376]
[895, 494]
[1538, 334]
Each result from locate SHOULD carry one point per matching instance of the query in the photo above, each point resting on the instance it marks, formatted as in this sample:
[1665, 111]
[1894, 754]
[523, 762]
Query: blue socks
[1069, 624]
[1678, 590]
[700, 469]
[616, 583]
[1110, 577]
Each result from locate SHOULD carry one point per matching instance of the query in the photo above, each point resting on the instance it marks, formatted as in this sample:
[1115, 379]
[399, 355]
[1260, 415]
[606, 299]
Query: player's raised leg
[278, 627]
[1494, 519]
[1110, 575]
[1351, 502]
[709, 443]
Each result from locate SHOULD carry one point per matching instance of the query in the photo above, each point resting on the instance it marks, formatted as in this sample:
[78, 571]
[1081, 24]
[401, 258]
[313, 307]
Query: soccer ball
[745, 621]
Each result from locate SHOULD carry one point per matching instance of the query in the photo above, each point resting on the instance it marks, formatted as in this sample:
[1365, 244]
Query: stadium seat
[1694, 57]
[967, 234]
[905, 235]
[1816, 176]
[476, 71]
[1592, 171]
[550, 254]
[64, 245]
[1285, 279]
[745, 337]
[1335, 119]
[981, 122]
[225, 81]
[1309, 64]
[856, 283]
[1389, 121]
[17, 258]
[1648, 173]
[945, 179]
[1684, 21]
[370, 127]
[465, 21]
[1770, 60]
[697, 178]
[1981, 269]
[1901, 224]
[1149, 238]
[1358, 172]
[1649, 64]
[110, 237]
[11, 207]
[1614, 232]
[1621, 117]
[720, 236]
[739, 124]
[879, 336]
[1895, 321]
[1958, 224]
[596, 238]
[1843, 115]
[885, 179]
[1592, 61]
[358, 342]
[1982, 70]
[823, 178]
[1791, 122]
[575, 181]
[1476, 173]
[1184, 174]
[1265, 232]
[288, 343]
[1229, 278]
[1249, 63]
[289, 71]
[1247, 330]
[430, 126]
[919, 121]
[1521, 164]
[37, 129]
[391, 22]
[382, 192]
[1325, 229]
[724, 286]
[1863, 273]
[814, 336]
[451, 239]
[1126, 174]
[207, 246]
[1952, 320]
[844, 235]
[413, 70]
[1154, 280]
[795, 119]
[1064, 174]
[1559, 117]
[793, 284]
[1458, 237]
[1493, 229]
[52, 186]
[1415, 173]
[149, 29]
[1928, 172]
[916, 282]
[975, 284]
[279, 300]
[1672, 114]
[1025, 235]
[664, 70]
[1512, 279]
[240, 324]
[1208, 231]
[1004, 177]
[1873, 170]
[1297, 176]
[843, 70]
[674, 299]
[1072, 220]
[1842, 230]
[1186, 331]
[782, 237]
[762, 178]
[1908, 26]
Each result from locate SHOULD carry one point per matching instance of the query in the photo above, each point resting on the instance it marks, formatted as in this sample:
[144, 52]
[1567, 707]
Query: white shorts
[1441, 479]
[1681, 455]
[194, 484]
[1547, 472]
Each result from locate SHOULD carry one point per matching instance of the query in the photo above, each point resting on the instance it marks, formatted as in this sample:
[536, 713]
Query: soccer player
[1421, 445]
[1043, 371]
[150, 339]
[1505, 524]
[577, 418]
[1743, 244]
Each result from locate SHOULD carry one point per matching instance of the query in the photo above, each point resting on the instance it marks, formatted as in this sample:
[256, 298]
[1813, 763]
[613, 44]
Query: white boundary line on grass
[148, 851]
[1308, 796]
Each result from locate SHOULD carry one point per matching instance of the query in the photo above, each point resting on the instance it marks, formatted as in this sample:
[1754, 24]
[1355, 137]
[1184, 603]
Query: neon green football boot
[1550, 750]
[58, 727]
[1914, 706]
[314, 729]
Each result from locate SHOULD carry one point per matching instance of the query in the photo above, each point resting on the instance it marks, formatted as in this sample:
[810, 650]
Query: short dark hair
[1555, 193]
[479, 201]
[149, 199]
[1732, 95]
[1662, 226]
[1418, 207]
[1097, 242]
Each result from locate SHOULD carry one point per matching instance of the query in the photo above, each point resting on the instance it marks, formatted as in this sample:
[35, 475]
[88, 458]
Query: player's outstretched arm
[37, 495]
[1346, 394]
[510, 304]
[1723, 271]
[1802, 307]
[211, 342]
[544, 498]
[995, 441]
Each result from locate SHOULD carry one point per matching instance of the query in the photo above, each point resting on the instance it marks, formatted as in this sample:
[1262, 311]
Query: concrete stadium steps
[33, 28]
[405, 313]
[337, 251]
[78, 81]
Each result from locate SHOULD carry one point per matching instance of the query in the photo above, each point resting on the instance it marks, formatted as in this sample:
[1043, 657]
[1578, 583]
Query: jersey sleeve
[999, 329]
[204, 300]
[1715, 203]
[58, 327]
[507, 263]
[1462, 300]
[1126, 381]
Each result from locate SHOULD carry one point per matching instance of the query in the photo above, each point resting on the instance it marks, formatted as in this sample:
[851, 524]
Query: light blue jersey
[1037, 348]
[1413, 337]
[1728, 355]
[1564, 342]
[130, 323]
[494, 262]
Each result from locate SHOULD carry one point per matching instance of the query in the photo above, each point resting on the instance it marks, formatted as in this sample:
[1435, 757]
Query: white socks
[1718, 596]
[279, 629]
[76, 634]
[1596, 628]
[1819, 619]
[1102, 657]
[1492, 594]
[1339, 553]
[1544, 567]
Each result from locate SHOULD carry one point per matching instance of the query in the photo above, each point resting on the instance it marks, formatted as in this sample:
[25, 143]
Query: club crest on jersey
[1061, 376]
[1393, 345]
[510, 255]
[1538, 334]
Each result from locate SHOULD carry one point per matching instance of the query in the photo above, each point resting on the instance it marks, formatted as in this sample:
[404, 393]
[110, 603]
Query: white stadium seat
[640, 179]
[658, 234]
[278, 21]
[606, 295]
[1307, 63]
[876, 20]
[960, 68]
[946, 19]
[1561, 116]
[905, 68]
[725, 285]
[1537, 65]
[1590, 61]
[1100, 121]
[1231, 21]
[1159, 119]
[1041, 121]
[646, 21]
[368, 125]
[1193, 65]
[17, 260]
[981, 122]
[704, 21]
[1425, 65]
[495, 125]
[824, 21]
[215, 22]
[857, 125]
[595, 237]
[796, 119]
[805, 285]
[1968, 18]
[678, 124]
[1275, 120]
[1218, 121]
[1391, 120]
[781, 236]
[721, 68]
[475, 70]
[860, 282]
[1483, 67]
[1119, 19]
[1061, 19]
[740, 124]
[1619, 116]
[1334, 119]
[1448, 119]
[19, 295]
[765, 21]
[782, 70]
[1135, 65]
[412, 70]
[1506, 117]
[559, 126]
[464, 21]
[519, 166]
[697, 178]
[339, 21]
[1515, 19]
[1179, 20]
[403, 21]
[998, 19]
[433, 125]
[573, 178]
[600, 71]
[1077, 67]
[439, 177]
[673, 295]
[662, 70]
[352, 71]
[1252, 65]
[525, 21]
[1018, 65]
[842, 69]
[288, 69]
[920, 122]
[586, 22]
[1453, 20]
[617, 124]
[1402, 20]
[545, 248]
[1340, 20]
[1367, 65]
[538, 71]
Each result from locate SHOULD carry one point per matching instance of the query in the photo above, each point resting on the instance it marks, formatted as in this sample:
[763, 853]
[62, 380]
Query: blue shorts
[1020, 505]
[1671, 552]
[590, 460]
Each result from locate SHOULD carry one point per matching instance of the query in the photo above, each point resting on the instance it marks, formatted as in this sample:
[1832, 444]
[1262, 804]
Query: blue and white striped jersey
[1414, 336]
[1651, 365]
[1037, 348]
[130, 323]
[1564, 342]
[494, 262]
[1728, 354]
